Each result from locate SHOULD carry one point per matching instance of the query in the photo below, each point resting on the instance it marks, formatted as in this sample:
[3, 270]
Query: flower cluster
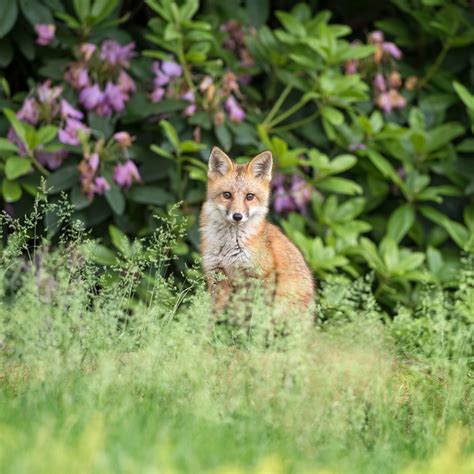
[101, 78]
[45, 33]
[47, 106]
[292, 194]
[380, 71]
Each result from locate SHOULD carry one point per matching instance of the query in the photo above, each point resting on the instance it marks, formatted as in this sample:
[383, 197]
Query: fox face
[239, 193]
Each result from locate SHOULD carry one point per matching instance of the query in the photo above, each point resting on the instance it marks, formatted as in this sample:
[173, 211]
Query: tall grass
[94, 379]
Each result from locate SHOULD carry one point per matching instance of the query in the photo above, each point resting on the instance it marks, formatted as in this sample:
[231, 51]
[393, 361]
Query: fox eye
[226, 195]
[250, 196]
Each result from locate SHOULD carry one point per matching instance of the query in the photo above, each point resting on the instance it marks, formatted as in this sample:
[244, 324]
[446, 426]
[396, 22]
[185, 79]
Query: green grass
[93, 380]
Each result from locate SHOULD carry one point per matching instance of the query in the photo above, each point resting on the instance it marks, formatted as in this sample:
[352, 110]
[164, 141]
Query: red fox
[238, 242]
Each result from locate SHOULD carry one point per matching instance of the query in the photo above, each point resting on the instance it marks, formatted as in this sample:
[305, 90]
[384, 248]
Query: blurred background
[111, 107]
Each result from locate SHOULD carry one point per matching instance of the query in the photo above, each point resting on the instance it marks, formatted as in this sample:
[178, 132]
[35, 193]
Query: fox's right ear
[219, 163]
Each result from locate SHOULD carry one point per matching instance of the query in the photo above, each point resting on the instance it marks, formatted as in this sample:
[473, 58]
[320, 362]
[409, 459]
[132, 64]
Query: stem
[39, 166]
[298, 123]
[184, 64]
[436, 65]
[277, 105]
[288, 112]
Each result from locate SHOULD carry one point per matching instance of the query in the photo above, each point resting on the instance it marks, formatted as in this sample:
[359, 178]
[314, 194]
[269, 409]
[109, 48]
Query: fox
[240, 246]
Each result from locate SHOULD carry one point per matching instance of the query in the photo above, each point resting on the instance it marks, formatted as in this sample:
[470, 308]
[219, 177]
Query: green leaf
[400, 222]
[339, 185]
[17, 125]
[46, 134]
[115, 199]
[171, 133]
[17, 166]
[119, 240]
[444, 134]
[8, 16]
[7, 145]
[102, 9]
[291, 24]
[11, 190]
[149, 195]
[161, 151]
[464, 95]
[63, 179]
[333, 115]
[257, 11]
[82, 8]
[224, 136]
[384, 166]
[35, 12]
[101, 254]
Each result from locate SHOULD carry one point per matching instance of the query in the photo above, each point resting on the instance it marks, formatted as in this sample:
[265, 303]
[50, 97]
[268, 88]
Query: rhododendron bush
[369, 118]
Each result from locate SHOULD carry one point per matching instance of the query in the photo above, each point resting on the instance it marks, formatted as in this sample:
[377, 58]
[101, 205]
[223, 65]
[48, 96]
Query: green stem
[184, 64]
[298, 123]
[287, 113]
[436, 65]
[277, 105]
[39, 166]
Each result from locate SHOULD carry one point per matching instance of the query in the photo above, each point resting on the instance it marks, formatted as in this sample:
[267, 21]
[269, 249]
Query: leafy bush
[118, 106]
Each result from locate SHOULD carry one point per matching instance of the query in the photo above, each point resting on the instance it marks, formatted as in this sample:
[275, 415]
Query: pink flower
[301, 192]
[115, 97]
[45, 33]
[171, 69]
[29, 111]
[379, 82]
[126, 83]
[94, 162]
[126, 173]
[392, 49]
[190, 109]
[157, 94]
[90, 97]
[161, 79]
[69, 135]
[87, 50]
[236, 113]
[376, 37]
[78, 76]
[100, 185]
[384, 102]
[351, 66]
[68, 111]
[47, 94]
[123, 139]
[116, 54]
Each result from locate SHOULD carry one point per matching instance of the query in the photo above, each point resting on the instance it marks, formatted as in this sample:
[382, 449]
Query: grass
[94, 380]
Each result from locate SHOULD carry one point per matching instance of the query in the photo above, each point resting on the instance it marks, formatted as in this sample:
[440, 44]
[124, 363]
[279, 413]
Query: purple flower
[47, 94]
[171, 69]
[161, 79]
[157, 94]
[29, 111]
[100, 185]
[379, 82]
[87, 50]
[69, 135]
[51, 159]
[45, 33]
[123, 139]
[115, 97]
[236, 113]
[116, 54]
[90, 97]
[376, 37]
[190, 109]
[126, 173]
[392, 49]
[351, 66]
[282, 201]
[94, 162]
[68, 111]
[126, 83]
[14, 138]
[356, 146]
[78, 76]
[301, 192]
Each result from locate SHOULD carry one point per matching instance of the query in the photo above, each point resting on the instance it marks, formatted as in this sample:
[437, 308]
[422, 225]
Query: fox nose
[237, 216]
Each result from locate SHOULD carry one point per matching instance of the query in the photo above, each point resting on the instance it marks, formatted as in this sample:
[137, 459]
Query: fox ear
[219, 163]
[261, 166]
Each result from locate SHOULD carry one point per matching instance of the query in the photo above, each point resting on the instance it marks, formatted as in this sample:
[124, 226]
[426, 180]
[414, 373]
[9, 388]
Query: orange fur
[252, 247]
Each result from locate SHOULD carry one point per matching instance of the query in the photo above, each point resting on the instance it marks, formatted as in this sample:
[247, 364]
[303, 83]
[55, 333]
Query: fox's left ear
[261, 166]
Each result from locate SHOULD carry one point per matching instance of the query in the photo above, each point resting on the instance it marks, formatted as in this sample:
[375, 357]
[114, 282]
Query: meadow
[96, 380]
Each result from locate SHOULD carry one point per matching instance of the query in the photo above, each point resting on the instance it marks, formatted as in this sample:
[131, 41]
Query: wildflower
[392, 49]
[94, 161]
[190, 109]
[115, 97]
[229, 83]
[45, 33]
[397, 100]
[376, 37]
[379, 82]
[114, 53]
[161, 79]
[78, 76]
[126, 83]
[51, 159]
[171, 69]
[384, 102]
[100, 185]
[236, 113]
[126, 173]
[47, 94]
[157, 94]
[395, 80]
[123, 139]
[29, 111]
[90, 97]
[87, 50]
[301, 192]
[70, 134]
[351, 66]
[411, 83]
[282, 201]
[219, 118]
[68, 111]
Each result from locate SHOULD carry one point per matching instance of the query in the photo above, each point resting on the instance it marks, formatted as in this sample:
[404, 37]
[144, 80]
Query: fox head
[239, 193]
